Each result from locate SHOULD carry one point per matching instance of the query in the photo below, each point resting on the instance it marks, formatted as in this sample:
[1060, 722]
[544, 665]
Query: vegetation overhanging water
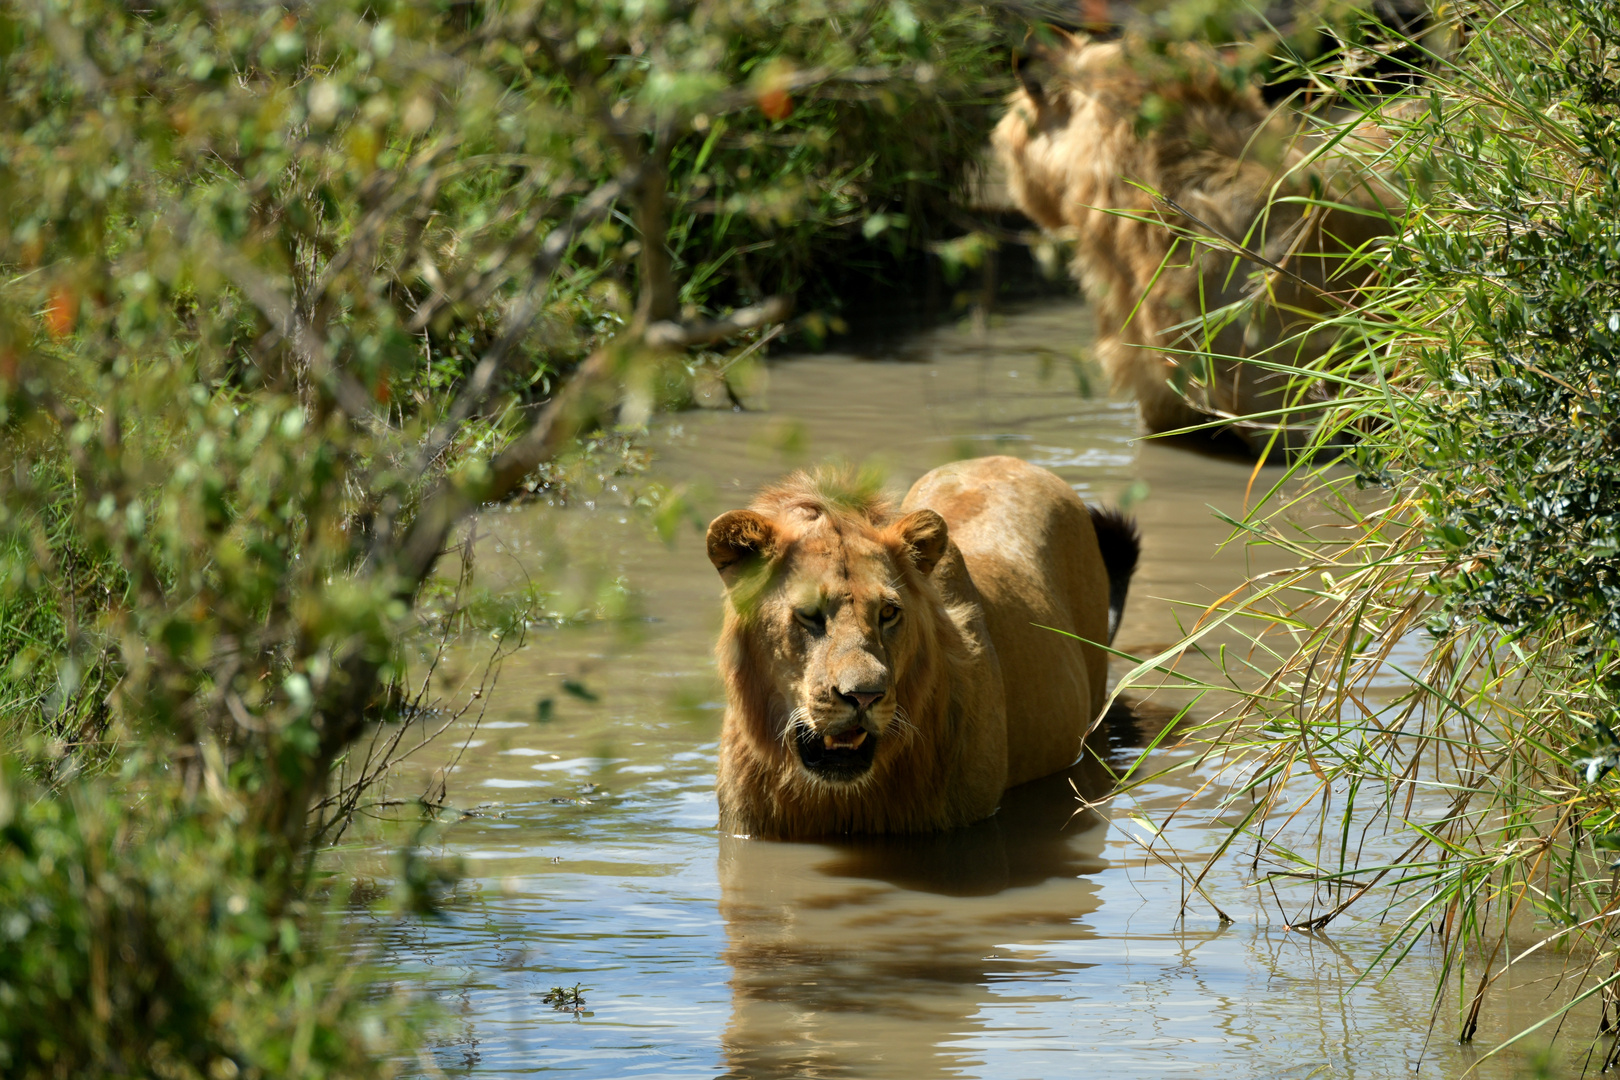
[288, 292]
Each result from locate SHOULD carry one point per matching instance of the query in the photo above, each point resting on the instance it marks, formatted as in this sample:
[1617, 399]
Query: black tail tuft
[1121, 544]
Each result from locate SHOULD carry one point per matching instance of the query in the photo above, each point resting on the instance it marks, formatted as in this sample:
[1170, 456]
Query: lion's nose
[863, 699]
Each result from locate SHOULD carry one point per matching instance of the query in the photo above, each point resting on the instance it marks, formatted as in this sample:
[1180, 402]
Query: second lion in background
[1135, 155]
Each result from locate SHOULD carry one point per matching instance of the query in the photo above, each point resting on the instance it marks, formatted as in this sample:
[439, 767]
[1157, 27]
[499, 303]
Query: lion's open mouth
[845, 756]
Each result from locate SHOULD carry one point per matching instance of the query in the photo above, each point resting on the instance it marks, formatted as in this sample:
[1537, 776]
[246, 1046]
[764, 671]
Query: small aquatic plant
[566, 998]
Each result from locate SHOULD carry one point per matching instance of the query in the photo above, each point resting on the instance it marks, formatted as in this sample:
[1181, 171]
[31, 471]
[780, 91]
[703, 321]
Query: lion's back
[1030, 552]
[1077, 155]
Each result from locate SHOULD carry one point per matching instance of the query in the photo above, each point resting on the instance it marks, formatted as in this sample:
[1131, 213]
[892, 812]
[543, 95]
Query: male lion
[1096, 131]
[889, 674]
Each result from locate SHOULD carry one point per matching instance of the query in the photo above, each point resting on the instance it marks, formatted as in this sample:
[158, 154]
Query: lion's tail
[1121, 544]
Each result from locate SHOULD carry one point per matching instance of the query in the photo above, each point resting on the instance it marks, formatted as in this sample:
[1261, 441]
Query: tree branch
[673, 335]
[284, 320]
[518, 322]
[583, 398]
[656, 301]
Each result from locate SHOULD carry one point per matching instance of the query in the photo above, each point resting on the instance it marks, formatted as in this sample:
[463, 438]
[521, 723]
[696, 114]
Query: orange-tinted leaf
[62, 312]
[776, 104]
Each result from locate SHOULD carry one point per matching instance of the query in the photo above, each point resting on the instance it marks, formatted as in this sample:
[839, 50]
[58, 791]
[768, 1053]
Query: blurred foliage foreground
[287, 292]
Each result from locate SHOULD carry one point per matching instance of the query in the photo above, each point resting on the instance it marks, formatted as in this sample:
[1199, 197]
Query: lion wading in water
[890, 671]
[1094, 129]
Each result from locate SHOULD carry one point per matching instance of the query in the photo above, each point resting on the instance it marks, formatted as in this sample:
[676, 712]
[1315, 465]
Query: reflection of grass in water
[784, 441]
[1089, 379]
[697, 703]
[1467, 805]
[604, 757]
[976, 446]
[578, 689]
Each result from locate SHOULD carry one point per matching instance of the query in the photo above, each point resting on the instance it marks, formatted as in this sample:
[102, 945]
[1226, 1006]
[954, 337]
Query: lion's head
[831, 627]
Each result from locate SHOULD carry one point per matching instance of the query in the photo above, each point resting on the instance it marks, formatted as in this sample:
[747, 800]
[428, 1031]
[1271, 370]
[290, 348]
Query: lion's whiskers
[900, 723]
[796, 719]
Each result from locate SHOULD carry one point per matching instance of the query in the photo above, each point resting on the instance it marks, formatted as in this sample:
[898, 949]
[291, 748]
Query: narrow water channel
[1041, 943]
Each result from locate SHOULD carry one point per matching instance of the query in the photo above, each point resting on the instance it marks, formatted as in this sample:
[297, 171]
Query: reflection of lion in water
[1092, 127]
[893, 673]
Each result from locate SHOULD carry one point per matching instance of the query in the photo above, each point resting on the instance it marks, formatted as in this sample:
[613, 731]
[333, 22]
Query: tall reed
[1433, 741]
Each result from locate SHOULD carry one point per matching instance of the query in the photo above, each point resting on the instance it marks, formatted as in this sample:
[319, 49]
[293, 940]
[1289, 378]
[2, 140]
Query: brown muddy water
[1041, 943]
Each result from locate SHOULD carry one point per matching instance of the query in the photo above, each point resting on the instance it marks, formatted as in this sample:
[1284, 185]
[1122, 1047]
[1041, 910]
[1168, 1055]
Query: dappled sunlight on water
[1043, 942]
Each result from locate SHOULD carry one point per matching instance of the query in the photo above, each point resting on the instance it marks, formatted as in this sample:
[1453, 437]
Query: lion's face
[822, 604]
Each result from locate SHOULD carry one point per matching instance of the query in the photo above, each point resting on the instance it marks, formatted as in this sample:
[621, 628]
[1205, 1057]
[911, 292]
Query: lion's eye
[889, 613]
[811, 619]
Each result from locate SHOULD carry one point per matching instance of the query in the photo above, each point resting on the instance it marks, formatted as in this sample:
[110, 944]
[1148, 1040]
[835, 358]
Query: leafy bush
[286, 292]
[142, 942]
[1519, 479]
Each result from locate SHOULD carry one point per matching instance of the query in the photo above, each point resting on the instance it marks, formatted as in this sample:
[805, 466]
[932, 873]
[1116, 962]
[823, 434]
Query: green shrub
[143, 943]
[1519, 476]
[285, 292]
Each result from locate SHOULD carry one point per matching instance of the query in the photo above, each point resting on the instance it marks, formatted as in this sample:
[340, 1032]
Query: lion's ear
[737, 536]
[1033, 72]
[925, 536]
[1042, 56]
